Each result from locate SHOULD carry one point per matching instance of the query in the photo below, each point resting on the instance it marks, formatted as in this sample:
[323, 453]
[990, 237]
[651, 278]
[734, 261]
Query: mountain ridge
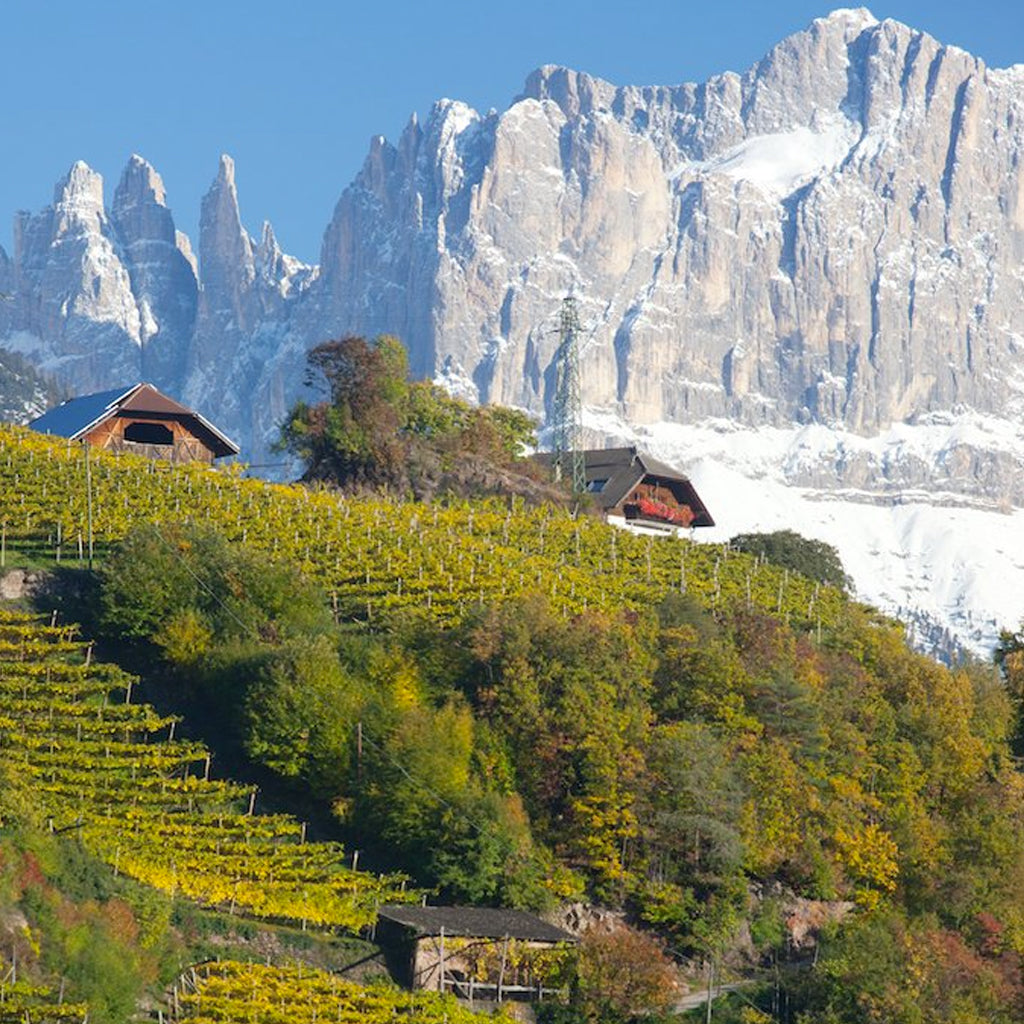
[832, 237]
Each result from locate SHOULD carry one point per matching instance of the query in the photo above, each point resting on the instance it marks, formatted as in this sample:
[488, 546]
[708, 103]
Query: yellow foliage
[398, 676]
[868, 854]
[185, 637]
[604, 823]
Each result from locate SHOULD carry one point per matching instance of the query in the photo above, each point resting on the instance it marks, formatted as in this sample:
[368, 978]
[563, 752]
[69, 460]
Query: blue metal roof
[76, 415]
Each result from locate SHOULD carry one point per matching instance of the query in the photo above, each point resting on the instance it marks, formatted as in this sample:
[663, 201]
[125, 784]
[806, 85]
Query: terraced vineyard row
[378, 556]
[22, 1003]
[230, 991]
[111, 772]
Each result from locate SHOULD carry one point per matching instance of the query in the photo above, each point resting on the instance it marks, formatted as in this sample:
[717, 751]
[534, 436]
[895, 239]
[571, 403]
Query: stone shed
[476, 953]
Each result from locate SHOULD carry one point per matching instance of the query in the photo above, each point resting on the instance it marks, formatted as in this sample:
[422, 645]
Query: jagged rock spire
[163, 279]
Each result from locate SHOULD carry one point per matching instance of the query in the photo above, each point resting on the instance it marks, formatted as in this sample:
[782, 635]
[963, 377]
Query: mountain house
[138, 419]
[636, 491]
[471, 952]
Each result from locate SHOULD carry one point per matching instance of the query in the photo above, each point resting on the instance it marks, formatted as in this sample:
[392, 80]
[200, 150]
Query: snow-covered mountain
[808, 275]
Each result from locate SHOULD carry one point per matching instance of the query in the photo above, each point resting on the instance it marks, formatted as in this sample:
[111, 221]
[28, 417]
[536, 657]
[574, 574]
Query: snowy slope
[950, 566]
[781, 162]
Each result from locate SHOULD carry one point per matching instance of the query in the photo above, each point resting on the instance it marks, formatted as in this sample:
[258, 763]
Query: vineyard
[281, 995]
[378, 556]
[112, 773]
[23, 1003]
[657, 755]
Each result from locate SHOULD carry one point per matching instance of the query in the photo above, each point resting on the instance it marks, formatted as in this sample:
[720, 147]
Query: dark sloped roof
[622, 469]
[145, 398]
[475, 922]
[77, 416]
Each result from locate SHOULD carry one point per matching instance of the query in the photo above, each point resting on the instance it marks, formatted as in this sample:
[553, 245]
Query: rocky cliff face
[161, 275]
[73, 305]
[833, 236]
[242, 362]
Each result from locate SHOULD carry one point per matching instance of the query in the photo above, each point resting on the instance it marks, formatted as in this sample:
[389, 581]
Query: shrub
[811, 558]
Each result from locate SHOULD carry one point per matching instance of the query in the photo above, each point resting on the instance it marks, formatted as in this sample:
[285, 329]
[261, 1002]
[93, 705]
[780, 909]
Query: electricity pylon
[567, 407]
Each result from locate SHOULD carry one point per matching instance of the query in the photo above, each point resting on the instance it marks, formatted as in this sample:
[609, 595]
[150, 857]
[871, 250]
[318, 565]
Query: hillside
[97, 792]
[24, 394]
[516, 707]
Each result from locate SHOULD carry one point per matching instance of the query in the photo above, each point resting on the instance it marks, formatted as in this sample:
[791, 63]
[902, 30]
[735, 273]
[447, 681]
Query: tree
[695, 798]
[355, 435]
[301, 715]
[570, 701]
[622, 974]
[376, 429]
[812, 558]
[187, 589]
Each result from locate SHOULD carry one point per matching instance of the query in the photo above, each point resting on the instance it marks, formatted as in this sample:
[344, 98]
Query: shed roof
[77, 416]
[474, 922]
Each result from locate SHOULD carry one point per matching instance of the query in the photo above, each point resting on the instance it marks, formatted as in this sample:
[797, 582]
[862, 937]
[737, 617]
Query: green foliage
[300, 715]
[355, 435]
[82, 932]
[570, 701]
[813, 558]
[884, 968]
[378, 430]
[420, 791]
[381, 558]
[186, 588]
[695, 796]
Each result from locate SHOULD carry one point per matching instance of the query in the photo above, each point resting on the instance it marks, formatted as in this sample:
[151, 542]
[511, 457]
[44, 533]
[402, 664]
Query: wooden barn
[474, 953]
[637, 491]
[138, 419]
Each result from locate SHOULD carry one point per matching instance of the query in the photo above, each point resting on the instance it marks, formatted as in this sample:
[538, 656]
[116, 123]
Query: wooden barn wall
[187, 447]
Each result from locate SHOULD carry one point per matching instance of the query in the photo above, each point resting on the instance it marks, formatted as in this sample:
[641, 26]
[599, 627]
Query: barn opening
[148, 433]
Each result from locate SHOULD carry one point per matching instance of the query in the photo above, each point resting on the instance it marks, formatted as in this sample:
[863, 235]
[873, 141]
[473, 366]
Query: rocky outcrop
[225, 263]
[245, 360]
[98, 299]
[20, 584]
[74, 312]
[163, 279]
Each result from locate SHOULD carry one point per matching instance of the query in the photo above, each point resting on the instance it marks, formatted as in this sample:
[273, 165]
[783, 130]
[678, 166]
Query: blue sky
[294, 91]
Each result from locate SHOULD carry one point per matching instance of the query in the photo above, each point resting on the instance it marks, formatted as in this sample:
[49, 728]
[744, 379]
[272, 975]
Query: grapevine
[378, 556]
[110, 773]
[230, 991]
